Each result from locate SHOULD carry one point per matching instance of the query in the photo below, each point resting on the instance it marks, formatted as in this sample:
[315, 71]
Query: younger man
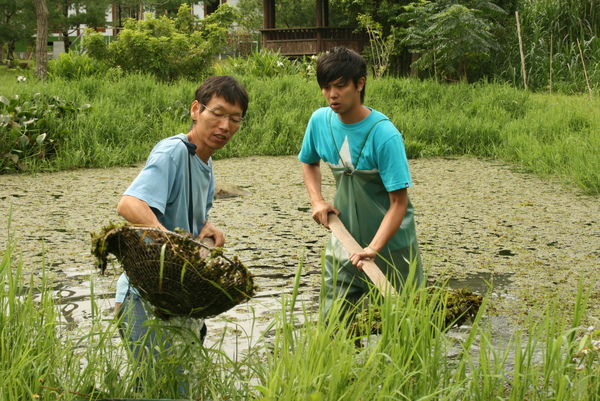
[366, 155]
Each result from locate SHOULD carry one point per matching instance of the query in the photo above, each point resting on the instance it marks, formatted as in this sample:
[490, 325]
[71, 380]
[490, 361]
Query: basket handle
[210, 243]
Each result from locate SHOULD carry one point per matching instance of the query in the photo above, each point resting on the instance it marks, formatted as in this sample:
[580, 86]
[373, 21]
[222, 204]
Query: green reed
[42, 357]
[413, 357]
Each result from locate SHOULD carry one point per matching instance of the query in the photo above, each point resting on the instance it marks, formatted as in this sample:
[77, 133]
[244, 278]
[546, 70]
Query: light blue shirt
[164, 184]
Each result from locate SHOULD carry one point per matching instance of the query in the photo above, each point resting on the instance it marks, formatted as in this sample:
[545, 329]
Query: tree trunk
[41, 43]
[66, 40]
[414, 71]
[65, 30]
[10, 50]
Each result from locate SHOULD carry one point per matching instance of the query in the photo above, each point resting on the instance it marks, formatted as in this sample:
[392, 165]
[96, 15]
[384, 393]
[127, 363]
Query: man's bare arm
[312, 182]
[137, 211]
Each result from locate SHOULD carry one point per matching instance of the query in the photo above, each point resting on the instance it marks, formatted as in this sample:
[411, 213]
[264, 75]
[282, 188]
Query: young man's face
[216, 122]
[343, 97]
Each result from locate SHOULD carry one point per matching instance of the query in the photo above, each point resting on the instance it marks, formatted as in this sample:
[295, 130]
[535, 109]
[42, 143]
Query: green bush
[266, 64]
[24, 129]
[169, 49]
[75, 66]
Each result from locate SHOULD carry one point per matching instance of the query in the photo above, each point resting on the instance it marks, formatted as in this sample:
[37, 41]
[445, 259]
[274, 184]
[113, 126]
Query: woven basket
[175, 273]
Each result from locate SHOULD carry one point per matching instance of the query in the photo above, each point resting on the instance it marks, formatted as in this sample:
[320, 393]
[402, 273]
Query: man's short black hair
[341, 62]
[223, 86]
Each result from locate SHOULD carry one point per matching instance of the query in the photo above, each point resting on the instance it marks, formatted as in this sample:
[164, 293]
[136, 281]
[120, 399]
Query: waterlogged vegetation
[301, 358]
[547, 134]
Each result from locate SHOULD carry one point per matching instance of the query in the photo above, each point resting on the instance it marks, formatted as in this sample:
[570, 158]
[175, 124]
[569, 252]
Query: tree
[41, 44]
[170, 8]
[402, 15]
[451, 38]
[137, 8]
[384, 12]
[294, 14]
[66, 16]
[380, 47]
[251, 15]
[17, 22]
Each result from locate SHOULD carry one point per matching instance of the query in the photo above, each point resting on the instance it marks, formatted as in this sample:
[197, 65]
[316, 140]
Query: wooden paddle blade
[369, 266]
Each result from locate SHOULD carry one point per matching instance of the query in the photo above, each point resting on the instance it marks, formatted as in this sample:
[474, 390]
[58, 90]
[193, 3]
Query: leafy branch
[381, 47]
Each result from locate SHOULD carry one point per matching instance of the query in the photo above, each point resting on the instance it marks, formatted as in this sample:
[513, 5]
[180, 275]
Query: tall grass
[552, 32]
[412, 358]
[42, 358]
[547, 134]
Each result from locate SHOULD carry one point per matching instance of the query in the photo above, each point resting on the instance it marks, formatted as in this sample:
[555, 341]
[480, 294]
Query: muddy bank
[477, 219]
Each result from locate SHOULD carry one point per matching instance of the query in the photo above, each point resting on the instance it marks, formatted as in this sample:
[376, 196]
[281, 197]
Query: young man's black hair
[344, 63]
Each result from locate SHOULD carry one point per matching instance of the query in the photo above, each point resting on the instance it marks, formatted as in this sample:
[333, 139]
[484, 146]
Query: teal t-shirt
[368, 161]
[164, 184]
[357, 147]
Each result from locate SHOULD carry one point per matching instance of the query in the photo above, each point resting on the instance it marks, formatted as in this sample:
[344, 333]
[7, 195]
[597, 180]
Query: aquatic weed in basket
[175, 273]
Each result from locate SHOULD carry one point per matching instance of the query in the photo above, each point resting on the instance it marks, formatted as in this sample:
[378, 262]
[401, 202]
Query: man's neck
[355, 116]
[202, 151]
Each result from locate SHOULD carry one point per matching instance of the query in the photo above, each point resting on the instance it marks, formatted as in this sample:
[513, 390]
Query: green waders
[363, 201]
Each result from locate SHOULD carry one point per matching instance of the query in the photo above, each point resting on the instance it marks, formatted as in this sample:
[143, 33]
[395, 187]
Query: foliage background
[467, 41]
[472, 40]
[548, 134]
[449, 40]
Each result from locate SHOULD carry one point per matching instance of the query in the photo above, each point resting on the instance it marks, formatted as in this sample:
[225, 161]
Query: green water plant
[45, 356]
[24, 129]
[414, 357]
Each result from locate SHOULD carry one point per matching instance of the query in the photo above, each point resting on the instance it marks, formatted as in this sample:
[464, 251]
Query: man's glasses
[219, 114]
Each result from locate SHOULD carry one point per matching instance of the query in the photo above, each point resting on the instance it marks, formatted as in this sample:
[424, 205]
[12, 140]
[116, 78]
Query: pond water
[482, 225]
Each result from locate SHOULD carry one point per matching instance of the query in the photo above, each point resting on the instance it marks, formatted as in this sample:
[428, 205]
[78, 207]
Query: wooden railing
[311, 41]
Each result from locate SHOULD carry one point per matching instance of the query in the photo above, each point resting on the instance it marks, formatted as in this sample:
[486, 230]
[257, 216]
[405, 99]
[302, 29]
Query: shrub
[75, 66]
[169, 49]
[267, 64]
[24, 128]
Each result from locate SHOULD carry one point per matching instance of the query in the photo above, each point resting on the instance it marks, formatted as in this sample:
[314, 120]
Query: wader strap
[361, 147]
[191, 151]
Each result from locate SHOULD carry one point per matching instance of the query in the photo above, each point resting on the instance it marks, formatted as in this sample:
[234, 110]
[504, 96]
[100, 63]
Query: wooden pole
[319, 14]
[587, 80]
[369, 267]
[523, 70]
[551, 40]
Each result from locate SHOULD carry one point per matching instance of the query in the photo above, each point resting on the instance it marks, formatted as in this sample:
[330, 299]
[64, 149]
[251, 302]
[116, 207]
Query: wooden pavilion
[297, 42]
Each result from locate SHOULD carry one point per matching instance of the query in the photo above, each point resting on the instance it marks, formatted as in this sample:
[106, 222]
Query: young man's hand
[358, 257]
[312, 181]
[320, 211]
